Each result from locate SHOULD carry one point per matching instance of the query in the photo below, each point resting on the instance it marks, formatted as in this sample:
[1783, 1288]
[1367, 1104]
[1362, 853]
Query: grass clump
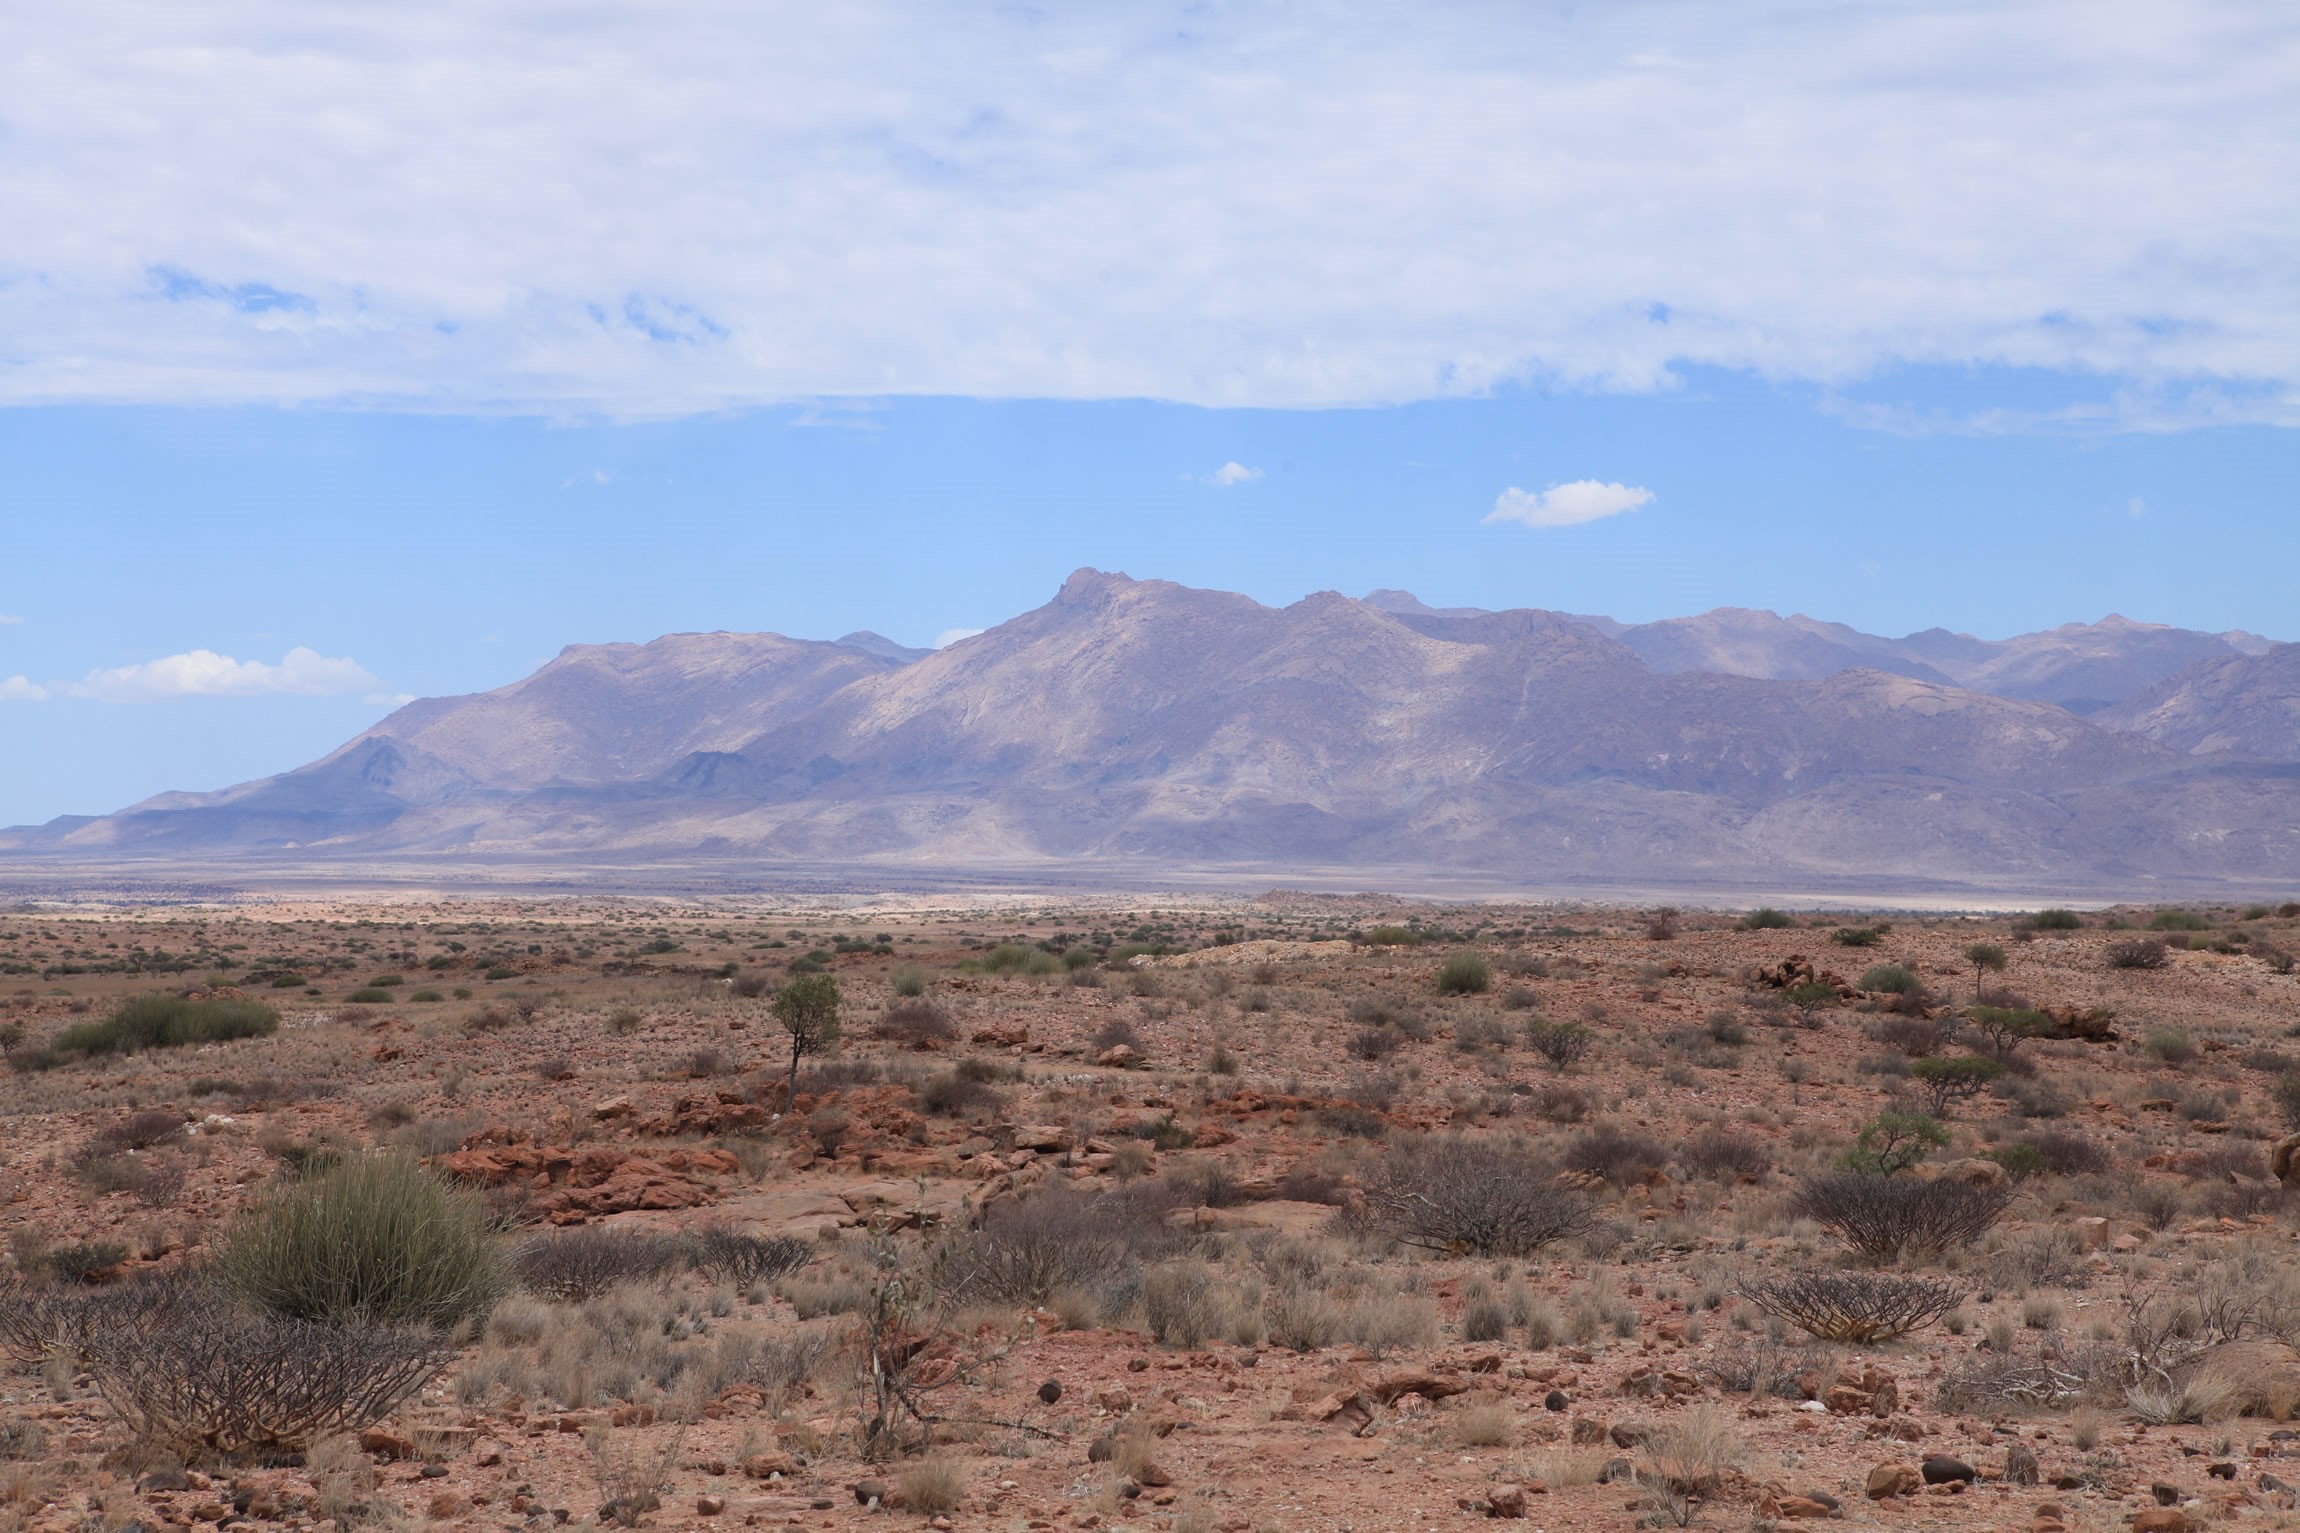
[375, 1240]
[167, 1022]
[1465, 974]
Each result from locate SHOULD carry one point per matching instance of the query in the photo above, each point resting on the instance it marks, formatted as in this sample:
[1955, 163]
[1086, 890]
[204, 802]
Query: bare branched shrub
[1028, 1250]
[1854, 1306]
[222, 1380]
[37, 1323]
[1471, 1196]
[1563, 1044]
[1614, 1153]
[919, 1023]
[730, 1256]
[2138, 953]
[1723, 1155]
[1882, 1216]
[583, 1263]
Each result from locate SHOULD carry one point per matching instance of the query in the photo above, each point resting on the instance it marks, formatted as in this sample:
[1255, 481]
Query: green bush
[1951, 1080]
[425, 996]
[375, 1240]
[2179, 921]
[2171, 1045]
[1893, 1143]
[1765, 918]
[910, 981]
[1891, 979]
[1859, 936]
[167, 1022]
[369, 996]
[1393, 936]
[1465, 974]
[2055, 920]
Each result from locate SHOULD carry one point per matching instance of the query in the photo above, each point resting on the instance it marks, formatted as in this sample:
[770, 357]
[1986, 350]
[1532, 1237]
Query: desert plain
[1298, 1212]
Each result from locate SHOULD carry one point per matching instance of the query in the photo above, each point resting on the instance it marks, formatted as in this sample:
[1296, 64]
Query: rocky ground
[1214, 1091]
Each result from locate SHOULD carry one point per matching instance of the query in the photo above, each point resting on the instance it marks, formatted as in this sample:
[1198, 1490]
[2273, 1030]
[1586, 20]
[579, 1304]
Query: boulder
[1889, 1480]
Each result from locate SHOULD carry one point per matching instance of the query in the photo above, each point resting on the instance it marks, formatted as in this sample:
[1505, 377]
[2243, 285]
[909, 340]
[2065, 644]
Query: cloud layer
[1566, 505]
[204, 673]
[640, 212]
[21, 689]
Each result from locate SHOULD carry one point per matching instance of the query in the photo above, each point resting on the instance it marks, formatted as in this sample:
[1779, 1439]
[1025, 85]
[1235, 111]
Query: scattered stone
[1555, 1400]
[1506, 1501]
[1050, 1391]
[1630, 1434]
[164, 1480]
[1588, 1431]
[710, 1506]
[1943, 1470]
[2166, 1495]
[2162, 1519]
[1889, 1480]
[2020, 1465]
[870, 1492]
[1102, 1450]
[377, 1443]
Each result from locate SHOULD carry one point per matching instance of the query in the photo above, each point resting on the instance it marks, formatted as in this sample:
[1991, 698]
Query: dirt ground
[1235, 1076]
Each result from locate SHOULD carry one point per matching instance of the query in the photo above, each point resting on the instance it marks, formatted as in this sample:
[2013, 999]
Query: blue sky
[383, 355]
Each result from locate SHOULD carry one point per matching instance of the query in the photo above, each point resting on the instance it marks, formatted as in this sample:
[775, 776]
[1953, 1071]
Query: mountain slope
[1143, 720]
[2239, 704]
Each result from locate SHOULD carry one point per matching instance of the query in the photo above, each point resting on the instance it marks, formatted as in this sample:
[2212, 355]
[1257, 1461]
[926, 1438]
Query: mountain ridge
[1129, 719]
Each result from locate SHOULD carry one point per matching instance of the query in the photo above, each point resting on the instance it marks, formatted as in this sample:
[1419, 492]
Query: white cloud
[204, 673]
[2136, 508]
[1233, 473]
[950, 636]
[1566, 505]
[22, 689]
[7, 620]
[1278, 206]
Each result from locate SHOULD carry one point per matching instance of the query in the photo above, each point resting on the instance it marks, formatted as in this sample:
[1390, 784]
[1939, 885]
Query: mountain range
[1142, 721]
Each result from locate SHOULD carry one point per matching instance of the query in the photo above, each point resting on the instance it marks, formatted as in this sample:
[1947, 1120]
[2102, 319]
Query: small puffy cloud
[1566, 505]
[950, 636]
[204, 673]
[1233, 473]
[20, 689]
[2137, 507]
[6, 619]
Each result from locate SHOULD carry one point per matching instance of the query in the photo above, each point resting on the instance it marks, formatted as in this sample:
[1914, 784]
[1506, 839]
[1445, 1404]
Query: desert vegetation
[1084, 1214]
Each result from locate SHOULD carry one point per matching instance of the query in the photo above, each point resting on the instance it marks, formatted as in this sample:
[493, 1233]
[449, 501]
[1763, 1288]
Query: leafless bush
[1882, 1216]
[1563, 1044]
[919, 1023]
[38, 1322]
[1028, 1250]
[1686, 1461]
[2139, 953]
[1615, 1154]
[1724, 1155]
[582, 1264]
[731, 1256]
[1915, 1037]
[2000, 1381]
[1854, 1306]
[138, 1131]
[1466, 1195]
[218, 1380]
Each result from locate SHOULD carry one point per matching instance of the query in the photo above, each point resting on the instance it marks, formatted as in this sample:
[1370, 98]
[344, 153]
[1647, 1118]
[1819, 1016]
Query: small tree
[2003, 1027]
[1945, 1081]
[1986, 958]
[1895, 1142]
[808, 1008]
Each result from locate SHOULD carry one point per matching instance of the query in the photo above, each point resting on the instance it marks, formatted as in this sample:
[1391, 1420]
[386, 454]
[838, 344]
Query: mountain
[2246, 704]
[2083, 667]
[1139, 721]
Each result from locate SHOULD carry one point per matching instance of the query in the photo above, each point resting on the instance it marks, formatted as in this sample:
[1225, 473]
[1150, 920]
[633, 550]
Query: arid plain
[1299, 1212]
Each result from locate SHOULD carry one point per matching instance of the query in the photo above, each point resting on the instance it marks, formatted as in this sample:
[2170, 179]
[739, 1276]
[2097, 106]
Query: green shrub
[1891, 979]
[425, 996]
[2179, 921]
[1393, 936]
[2055, 920]
[2171, 1045]
[910, 981]
[167, 1022]
[2285, 1093]
[368, 996]
[1465, 974]
[386, 981]
[1951, 1080]
[1859, 936]
[1765, 918]
[375, 1240]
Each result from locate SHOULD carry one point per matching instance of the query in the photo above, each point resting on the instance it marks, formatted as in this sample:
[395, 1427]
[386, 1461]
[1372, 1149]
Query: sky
[354, 354]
